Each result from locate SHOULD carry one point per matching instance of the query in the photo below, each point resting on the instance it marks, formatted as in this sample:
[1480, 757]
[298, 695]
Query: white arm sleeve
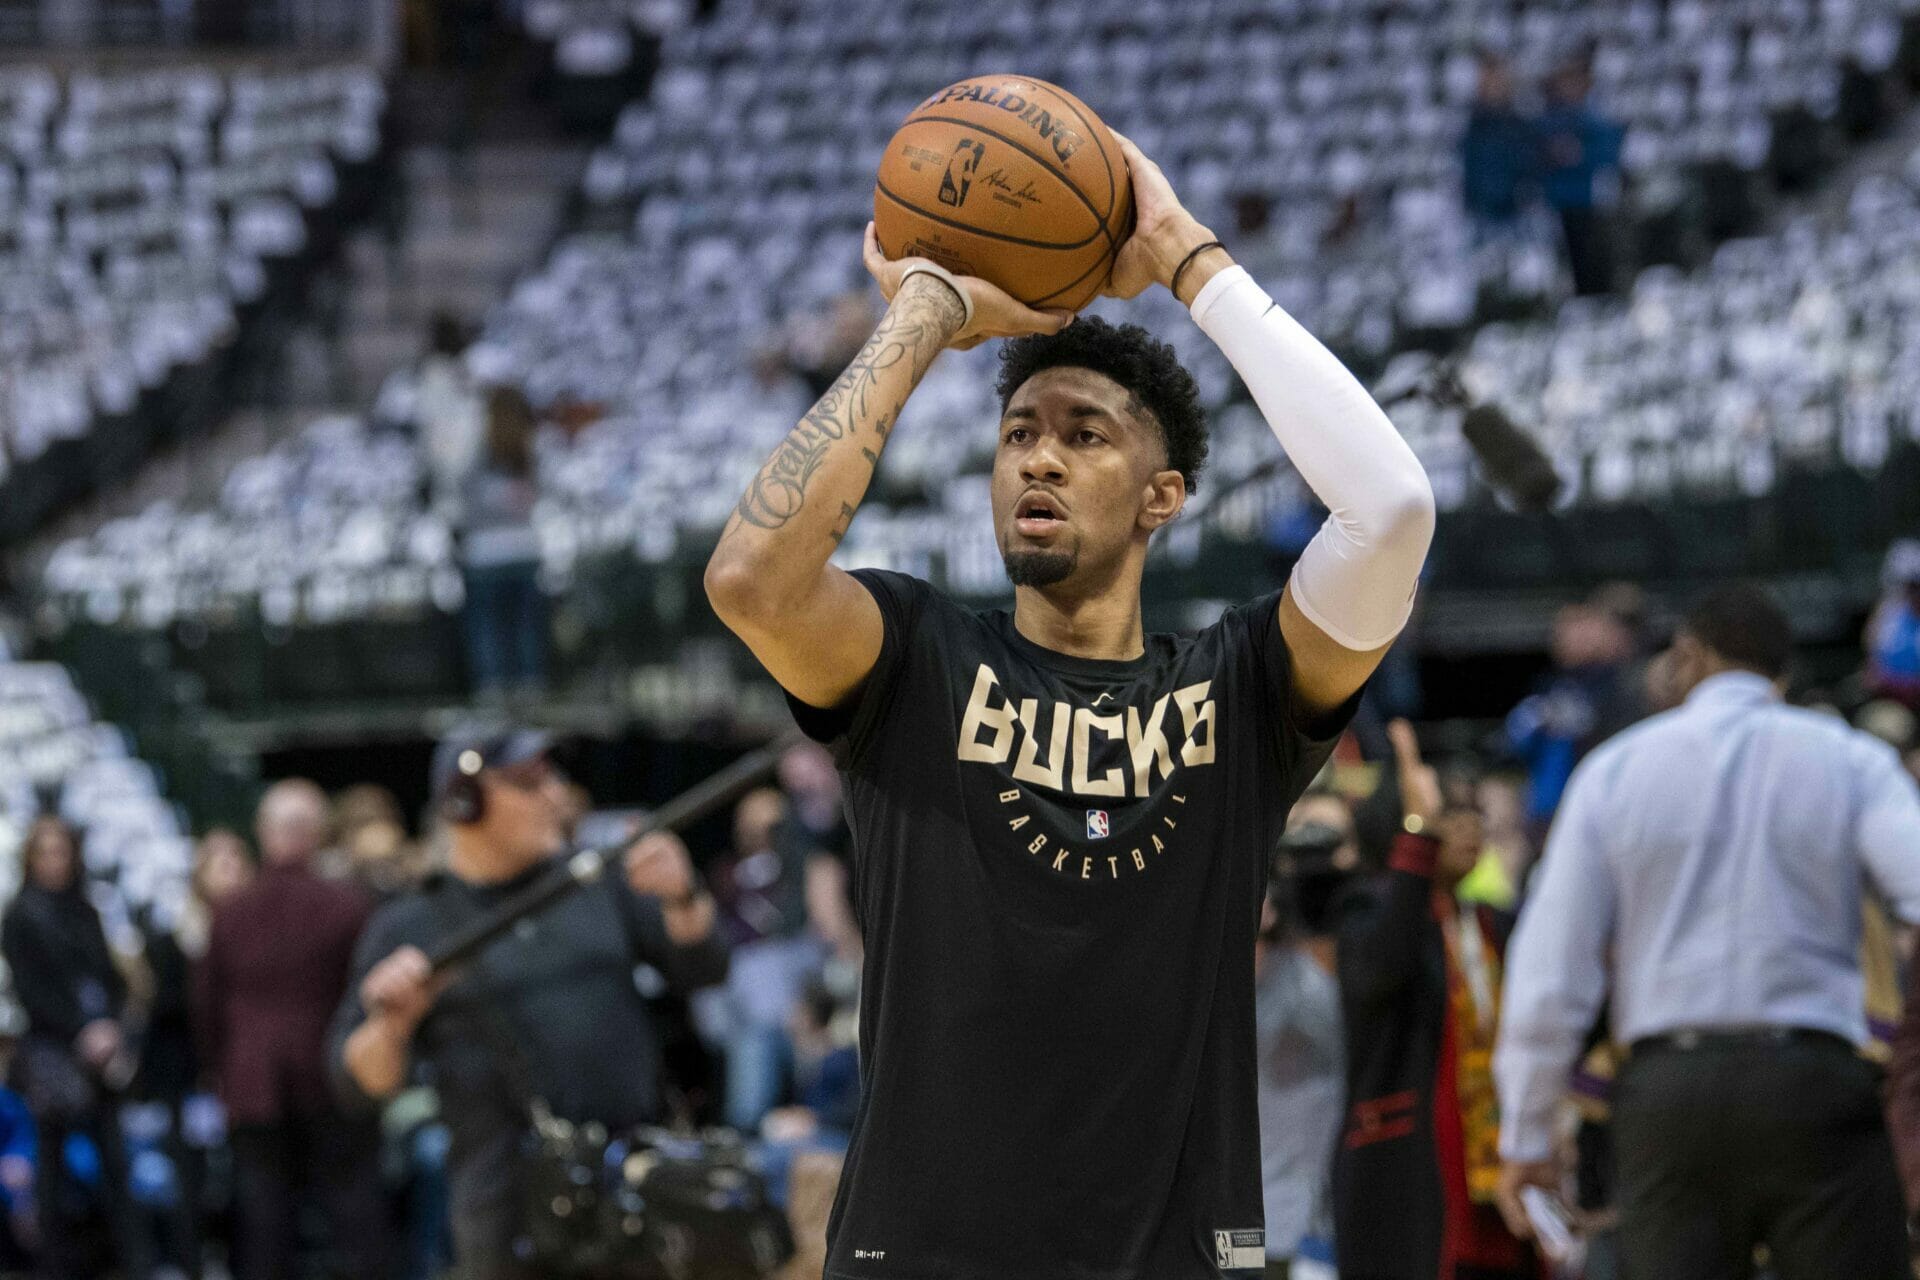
[1355, 580]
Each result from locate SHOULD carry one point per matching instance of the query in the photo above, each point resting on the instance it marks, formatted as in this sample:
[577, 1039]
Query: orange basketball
[1010, 179]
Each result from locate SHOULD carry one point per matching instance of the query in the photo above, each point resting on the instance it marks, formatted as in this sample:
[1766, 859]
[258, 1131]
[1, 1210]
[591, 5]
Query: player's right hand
[400, 989]
[996, 313]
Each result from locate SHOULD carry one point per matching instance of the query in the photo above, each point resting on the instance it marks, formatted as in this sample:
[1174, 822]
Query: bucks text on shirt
[1706, 867]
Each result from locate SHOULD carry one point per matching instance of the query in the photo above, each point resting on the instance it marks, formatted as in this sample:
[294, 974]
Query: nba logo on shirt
[1096, 824]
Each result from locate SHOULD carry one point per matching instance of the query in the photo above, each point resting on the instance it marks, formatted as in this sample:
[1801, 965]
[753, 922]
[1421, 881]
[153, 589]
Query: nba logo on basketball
[1096, 824]
[959, 175]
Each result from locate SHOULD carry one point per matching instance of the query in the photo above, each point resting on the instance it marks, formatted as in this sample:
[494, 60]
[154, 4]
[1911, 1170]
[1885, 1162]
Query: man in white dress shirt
[1706, 869]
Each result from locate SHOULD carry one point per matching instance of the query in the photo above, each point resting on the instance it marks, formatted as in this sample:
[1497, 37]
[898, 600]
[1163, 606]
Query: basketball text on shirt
[993, 734]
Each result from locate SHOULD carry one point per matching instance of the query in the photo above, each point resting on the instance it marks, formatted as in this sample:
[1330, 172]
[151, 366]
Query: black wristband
[1174, 287]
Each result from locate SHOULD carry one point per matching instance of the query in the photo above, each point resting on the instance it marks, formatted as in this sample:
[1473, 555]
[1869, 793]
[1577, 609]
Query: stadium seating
[599, 53]
[145, 218]
[52, 752]
[1797, 350]
[701, 254]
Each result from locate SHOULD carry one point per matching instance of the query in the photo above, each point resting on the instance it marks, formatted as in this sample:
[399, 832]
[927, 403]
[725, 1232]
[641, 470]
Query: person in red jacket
[1903, 1094]
[1417, 1167]
[276, 967]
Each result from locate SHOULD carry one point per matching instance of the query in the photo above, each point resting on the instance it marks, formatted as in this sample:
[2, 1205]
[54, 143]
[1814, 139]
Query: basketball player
[1061, 822]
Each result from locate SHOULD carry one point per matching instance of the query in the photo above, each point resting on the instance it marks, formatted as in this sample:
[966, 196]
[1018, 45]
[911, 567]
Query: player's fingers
[883, 271]
[1019, 319]
[1137, 159]
[1124, 286]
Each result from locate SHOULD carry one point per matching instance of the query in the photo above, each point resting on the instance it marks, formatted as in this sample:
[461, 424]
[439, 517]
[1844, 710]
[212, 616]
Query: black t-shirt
[1059, 865]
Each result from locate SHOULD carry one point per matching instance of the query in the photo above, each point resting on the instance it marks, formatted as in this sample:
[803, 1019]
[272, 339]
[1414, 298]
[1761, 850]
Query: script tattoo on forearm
[779, 492]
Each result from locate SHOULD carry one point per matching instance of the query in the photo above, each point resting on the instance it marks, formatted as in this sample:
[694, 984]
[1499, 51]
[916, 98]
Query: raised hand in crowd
[1420, 797]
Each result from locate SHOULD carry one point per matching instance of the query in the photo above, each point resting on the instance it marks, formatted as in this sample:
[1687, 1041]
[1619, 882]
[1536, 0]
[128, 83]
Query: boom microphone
[1514, 462]
[587, 866]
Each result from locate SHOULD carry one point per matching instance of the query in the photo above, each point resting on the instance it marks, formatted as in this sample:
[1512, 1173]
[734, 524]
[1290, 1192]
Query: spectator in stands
[821, 1027]
[222, 866]
[371, 833]
[1501, 799]
[19, 1152]
[276, 968]
[506, 611]
[1705, 878]
[816, 829]
[1418, 1169]
[1589, 696]
[168, 1075]
[1893, 633]
[450, 414]
[1580, 174]
[812, 787]
[826, 1069]
[762, 892]
[1299, 1035]
[75, 1060]
[170, 1069]
[1499, 155]
[826, 1088]
[1903, 1095]
[555, 1016]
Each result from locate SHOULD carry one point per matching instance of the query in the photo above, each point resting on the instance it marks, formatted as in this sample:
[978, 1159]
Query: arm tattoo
[779, 491]
[844, 523]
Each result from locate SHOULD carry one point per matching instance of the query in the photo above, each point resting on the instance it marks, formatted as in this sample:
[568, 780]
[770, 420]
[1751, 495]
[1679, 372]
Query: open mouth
[1038, 515]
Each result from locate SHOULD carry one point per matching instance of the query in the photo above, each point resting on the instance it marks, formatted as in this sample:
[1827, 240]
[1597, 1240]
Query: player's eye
[1089, 436]
[1017, 435]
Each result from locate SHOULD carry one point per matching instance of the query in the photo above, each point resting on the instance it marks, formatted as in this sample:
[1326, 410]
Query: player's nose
[1045, 461]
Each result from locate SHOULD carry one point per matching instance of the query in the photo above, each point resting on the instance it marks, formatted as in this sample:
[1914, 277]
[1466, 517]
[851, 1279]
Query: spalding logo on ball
[1010, 179]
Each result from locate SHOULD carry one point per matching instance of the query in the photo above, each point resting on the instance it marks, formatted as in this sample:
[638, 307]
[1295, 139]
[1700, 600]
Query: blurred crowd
[1382, 984]
[175, 1100]
[1561, 156]
[173, 1103]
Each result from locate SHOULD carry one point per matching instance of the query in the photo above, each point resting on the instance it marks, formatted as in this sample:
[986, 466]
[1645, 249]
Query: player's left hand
[1163, 231]
[658, 867]
[996, 313]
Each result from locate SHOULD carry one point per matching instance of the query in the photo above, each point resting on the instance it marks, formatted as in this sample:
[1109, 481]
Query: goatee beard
[1038, 568]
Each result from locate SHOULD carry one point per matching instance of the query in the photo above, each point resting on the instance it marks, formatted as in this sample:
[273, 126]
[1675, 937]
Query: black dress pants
[313, 1159]
[1727, 1146]
[1589, 250]
[69, 1235]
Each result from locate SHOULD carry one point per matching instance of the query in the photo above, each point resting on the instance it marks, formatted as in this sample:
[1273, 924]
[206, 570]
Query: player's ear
[1165, 494]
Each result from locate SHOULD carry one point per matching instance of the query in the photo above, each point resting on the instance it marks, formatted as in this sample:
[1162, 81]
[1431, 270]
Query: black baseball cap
[481, 744]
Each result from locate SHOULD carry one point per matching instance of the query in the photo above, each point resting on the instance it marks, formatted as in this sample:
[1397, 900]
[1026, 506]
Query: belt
[1686, 1039]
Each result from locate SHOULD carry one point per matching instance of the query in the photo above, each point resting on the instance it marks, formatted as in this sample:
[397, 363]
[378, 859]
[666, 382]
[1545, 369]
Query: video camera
[647, 1205]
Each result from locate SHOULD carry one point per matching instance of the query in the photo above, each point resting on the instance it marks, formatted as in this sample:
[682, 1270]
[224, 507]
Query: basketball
[1010, 179]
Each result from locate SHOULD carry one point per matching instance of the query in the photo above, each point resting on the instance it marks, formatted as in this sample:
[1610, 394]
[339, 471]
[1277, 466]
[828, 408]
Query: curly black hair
[1133, 358]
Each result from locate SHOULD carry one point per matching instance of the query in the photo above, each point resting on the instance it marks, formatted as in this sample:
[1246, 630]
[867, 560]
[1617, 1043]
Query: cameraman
[550, 1011]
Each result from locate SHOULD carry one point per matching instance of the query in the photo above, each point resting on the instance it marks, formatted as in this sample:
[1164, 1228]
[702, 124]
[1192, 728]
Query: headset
[465, 800]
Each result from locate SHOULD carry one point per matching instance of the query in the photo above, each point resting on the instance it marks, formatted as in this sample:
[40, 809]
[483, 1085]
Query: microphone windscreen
[1514, 462]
